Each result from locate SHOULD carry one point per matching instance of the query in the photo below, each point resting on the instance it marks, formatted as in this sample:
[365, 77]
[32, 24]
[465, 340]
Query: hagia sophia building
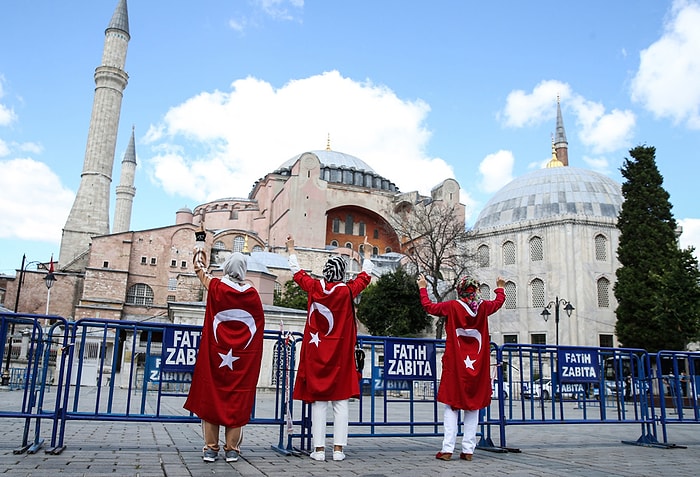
[551, 233]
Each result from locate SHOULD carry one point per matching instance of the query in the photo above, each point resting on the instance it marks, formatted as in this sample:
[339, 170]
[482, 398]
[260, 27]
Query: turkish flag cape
[466, 379]
[327, 359]
[228, 362]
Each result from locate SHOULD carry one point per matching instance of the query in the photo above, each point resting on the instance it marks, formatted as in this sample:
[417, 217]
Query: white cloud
[668, 80]
[497, 170]
[603, 132]
[529, 109]
[280, 9]
[7, 114]
[691, 234]
[599, 130]
[234, 138]
[41, 218]
[599, 164]
[4, 148]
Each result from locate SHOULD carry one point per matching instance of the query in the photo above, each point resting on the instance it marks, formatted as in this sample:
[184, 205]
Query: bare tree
[433, 237]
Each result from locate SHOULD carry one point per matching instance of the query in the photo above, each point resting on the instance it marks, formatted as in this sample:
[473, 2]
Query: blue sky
[223, 91]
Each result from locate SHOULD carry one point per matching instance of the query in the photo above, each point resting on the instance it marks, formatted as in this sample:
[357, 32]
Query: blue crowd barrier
[106, 370]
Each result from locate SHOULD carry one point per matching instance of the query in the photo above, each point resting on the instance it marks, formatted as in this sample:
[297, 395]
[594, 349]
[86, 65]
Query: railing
[105, 370]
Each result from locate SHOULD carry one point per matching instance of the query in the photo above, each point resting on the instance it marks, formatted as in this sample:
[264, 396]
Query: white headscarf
[236, 266]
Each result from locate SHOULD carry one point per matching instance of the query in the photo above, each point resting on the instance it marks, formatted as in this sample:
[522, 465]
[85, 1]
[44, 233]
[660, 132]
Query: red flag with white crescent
[228, 362]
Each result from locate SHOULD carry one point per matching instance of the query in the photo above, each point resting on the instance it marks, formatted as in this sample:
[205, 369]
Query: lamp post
[568, 308]
[49, 279]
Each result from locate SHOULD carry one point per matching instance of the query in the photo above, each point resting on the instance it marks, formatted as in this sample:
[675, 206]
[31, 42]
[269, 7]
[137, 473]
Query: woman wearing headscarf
[327, 372]
[465, 383]
[226, 372]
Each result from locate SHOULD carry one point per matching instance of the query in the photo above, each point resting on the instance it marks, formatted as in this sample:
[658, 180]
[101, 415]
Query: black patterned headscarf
[334, 269]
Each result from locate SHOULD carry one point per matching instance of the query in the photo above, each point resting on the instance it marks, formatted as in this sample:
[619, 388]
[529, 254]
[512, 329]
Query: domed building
[552, 235]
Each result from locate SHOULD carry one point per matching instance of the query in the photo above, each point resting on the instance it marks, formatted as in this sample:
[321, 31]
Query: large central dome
[553, 194]
[332, 158]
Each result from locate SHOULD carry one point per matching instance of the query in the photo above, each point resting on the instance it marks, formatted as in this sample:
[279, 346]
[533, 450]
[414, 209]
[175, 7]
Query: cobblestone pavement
[174, 449]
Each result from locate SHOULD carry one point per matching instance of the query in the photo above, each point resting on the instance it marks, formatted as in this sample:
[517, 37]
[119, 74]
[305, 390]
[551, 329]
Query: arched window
[375, 251]
[511, 301]
[334, 243]
[348, 245]
[361, 250]
[603, 292]
[483, 256]
[509, 253]
[536, 249]
[537, 293]
[257, 248]
[219, 245]
[387, 250]
[140, 294]
[238, 243]
[485, 291]
[601, 248]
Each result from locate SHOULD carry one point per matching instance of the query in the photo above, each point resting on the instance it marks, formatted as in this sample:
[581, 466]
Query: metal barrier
[105, 370]
[678, 384]
[576, 385]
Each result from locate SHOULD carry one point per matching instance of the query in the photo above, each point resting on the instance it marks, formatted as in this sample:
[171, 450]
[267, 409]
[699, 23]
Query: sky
[222, 92]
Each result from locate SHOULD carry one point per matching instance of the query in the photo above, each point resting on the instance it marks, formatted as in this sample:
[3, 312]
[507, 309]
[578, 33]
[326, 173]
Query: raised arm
[200, 257]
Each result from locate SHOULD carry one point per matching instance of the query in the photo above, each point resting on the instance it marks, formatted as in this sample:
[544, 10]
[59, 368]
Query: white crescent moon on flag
[325, 311]
[235, 314]
[471, 333]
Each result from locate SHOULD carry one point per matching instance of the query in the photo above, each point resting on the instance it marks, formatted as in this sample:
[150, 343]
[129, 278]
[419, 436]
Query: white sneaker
[318, 455]
[338, 455]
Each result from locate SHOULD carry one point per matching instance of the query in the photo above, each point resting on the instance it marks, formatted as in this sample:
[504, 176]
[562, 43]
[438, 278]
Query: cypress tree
[655, 276]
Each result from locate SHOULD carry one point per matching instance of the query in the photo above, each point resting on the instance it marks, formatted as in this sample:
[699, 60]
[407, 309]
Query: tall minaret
[125, 190]
[560, 144]
[90, 213]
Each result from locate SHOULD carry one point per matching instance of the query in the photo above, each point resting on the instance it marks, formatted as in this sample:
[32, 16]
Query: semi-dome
[553, 193]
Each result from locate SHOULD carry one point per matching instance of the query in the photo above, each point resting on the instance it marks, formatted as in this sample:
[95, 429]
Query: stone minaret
[560, 144]
[125, 190]
[89, 215]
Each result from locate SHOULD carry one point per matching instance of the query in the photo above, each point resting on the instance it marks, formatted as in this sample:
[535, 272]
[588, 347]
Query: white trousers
[471, 422]
[340, 422]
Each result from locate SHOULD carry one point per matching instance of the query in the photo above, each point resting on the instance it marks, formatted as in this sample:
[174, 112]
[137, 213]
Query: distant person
[226, 372]
[327, 372]
[465, 382]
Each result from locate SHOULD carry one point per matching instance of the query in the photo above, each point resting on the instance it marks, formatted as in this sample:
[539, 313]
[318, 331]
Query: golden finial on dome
[554, 161]
[245, 245]
[328, 142]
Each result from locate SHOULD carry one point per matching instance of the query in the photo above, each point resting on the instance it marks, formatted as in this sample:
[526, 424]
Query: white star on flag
[469, 362]
[314, 339]
[228, 359]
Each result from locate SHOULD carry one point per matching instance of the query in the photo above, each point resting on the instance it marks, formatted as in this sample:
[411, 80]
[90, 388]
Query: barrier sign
[179, 349]
[406, 359]
[378, 383]
[578, 365]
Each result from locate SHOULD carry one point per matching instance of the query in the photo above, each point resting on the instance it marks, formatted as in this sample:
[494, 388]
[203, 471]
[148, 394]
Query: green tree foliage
[391, 306]
[291, 297]
[656, 279]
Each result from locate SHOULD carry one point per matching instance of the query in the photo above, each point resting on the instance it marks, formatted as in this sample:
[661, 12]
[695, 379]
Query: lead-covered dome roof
[338, 167]
[331, 158]
[553, 194]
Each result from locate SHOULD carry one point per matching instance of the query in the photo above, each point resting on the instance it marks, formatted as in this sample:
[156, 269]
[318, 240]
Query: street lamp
[568, 308]
[49, 279]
